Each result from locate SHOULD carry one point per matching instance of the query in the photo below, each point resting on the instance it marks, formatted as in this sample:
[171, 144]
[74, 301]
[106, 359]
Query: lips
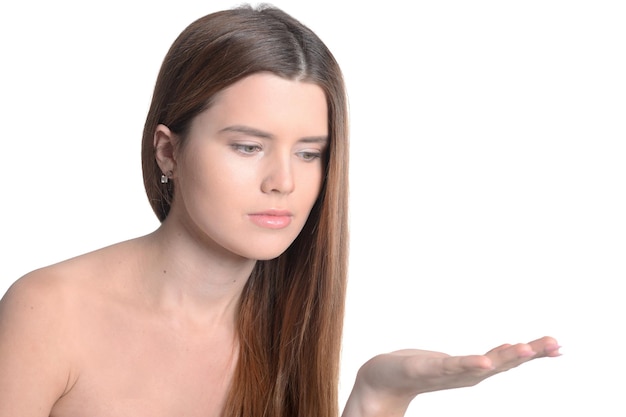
[272, 219]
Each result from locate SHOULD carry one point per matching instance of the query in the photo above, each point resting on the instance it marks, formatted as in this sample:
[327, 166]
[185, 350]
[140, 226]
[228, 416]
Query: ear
[165, 143]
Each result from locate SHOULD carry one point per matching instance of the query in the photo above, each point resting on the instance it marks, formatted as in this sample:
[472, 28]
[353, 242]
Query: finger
[508, 352]
[546, 347]
[511, 356]
[460, 364]
[437, 366]
[496, 349]
[480, 362]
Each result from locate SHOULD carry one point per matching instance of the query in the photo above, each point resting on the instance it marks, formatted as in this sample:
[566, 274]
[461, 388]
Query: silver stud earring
[165, 178]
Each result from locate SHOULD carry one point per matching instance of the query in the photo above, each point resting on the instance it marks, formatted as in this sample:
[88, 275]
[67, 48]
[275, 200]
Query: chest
[149, 369]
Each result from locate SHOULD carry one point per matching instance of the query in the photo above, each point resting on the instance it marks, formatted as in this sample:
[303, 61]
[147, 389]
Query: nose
[279, 177]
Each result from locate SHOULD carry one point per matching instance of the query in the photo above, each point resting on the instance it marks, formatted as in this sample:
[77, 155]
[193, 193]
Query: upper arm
[34, 359]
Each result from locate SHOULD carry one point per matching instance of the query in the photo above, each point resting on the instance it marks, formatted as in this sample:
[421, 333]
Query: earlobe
[164, 146]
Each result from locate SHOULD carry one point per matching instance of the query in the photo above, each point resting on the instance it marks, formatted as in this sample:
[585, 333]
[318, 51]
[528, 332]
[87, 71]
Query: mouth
[272, 219]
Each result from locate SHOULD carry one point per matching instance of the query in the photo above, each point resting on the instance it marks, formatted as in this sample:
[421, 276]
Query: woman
[234, 305]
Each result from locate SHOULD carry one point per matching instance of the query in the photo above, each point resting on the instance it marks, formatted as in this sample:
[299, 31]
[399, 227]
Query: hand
[387, 383]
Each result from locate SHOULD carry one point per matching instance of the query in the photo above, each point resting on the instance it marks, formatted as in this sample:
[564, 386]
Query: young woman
[234, 305]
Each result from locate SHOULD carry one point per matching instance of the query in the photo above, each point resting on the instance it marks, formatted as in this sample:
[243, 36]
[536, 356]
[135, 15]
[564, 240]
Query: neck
[191, 277]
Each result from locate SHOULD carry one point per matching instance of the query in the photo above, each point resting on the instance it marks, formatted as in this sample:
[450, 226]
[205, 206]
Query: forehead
[272, 103]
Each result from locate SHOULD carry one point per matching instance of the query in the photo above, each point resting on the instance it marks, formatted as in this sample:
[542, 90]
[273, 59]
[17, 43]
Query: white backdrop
[488, 173]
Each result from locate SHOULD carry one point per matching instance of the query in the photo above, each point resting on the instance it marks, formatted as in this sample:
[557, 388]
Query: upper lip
[273, 212]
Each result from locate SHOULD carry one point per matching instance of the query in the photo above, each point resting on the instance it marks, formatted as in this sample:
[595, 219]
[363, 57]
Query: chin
[257, 254]
[267, 253]
[267, 256]
[264, 249]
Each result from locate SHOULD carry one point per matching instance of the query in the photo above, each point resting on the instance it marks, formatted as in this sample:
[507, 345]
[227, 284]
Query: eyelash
[249, 149]
[309, 156]
[246, 149]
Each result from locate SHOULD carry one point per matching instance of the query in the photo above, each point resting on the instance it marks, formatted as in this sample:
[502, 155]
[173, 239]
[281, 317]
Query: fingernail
[553, 349]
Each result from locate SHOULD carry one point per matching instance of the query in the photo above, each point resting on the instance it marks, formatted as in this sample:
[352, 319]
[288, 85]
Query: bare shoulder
[42, 323]
[53, 300]
[34, 353]
[54, 290]
[34, 304]
[43, 305]
[34, 293]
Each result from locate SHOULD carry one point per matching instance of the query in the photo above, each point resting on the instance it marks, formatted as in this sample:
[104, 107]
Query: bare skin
[147, 327]
[98, 341]
[387, 383]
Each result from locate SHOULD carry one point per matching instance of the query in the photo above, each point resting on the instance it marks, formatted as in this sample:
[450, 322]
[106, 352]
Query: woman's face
[251, 168]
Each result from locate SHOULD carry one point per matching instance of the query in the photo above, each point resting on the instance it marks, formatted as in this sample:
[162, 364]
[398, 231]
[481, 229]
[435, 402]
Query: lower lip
[269, 221]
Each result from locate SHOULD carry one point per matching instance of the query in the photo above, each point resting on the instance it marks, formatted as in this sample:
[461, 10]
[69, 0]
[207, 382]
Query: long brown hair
[291, 310]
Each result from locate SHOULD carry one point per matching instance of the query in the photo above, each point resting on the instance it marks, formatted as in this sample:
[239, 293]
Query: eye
[309, 156]
[246, 148]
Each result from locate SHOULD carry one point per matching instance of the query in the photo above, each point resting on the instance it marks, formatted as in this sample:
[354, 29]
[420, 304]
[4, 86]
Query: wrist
[368, 401]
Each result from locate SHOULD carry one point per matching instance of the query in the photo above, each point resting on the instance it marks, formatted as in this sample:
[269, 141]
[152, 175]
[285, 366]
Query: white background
[488, 173]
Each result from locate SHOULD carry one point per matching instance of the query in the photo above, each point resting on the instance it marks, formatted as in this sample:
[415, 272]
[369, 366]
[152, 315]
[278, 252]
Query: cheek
[311, 185]
[211, 170]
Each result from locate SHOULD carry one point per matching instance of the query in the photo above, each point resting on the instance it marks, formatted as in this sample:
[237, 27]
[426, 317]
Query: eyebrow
[251, 131]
